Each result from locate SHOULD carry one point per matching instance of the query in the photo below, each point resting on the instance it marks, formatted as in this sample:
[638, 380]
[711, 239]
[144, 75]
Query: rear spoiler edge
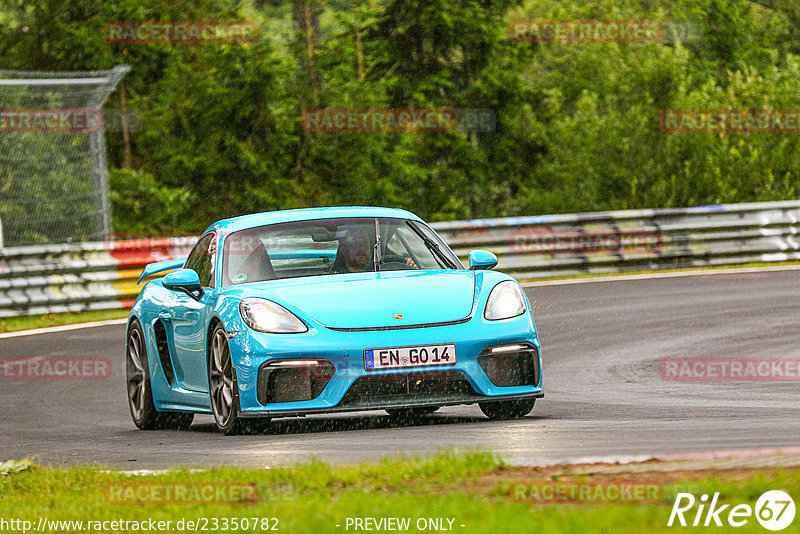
[159, 266]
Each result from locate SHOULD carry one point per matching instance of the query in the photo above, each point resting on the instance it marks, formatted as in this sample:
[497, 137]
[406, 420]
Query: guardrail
[615, 241]
[77, 277]
[85, 276]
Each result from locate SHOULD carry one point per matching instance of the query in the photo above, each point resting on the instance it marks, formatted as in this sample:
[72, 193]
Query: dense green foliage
[577, 123]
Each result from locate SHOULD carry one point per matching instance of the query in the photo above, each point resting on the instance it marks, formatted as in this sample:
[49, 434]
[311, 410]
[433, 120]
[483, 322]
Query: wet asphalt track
[602, 343]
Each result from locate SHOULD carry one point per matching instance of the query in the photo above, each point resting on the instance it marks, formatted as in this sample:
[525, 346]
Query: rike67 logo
[774, 510]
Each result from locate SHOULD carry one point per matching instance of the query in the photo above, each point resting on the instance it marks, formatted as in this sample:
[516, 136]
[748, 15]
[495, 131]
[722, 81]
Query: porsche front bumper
[323, 369]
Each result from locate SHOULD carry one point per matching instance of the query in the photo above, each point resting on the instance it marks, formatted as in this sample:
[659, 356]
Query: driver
[355, 254]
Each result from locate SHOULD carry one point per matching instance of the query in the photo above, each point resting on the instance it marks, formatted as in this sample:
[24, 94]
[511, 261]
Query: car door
[187, 317]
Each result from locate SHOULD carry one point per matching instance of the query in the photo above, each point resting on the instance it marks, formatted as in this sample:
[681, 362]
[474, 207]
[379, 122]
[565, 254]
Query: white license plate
[420, 356]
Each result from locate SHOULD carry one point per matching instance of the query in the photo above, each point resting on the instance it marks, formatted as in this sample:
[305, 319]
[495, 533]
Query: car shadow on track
[289, 426]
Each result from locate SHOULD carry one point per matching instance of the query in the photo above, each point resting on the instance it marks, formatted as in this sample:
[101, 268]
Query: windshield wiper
[376, 250]
[432, 245]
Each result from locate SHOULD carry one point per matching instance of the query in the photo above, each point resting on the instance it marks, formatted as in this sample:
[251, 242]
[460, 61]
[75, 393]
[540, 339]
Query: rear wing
[159, 266]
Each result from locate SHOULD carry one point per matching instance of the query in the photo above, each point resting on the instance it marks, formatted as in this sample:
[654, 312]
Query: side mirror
[481, 260]
[185, 280]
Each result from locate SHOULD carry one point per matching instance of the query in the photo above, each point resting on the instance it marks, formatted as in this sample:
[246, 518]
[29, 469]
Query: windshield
[330, 247]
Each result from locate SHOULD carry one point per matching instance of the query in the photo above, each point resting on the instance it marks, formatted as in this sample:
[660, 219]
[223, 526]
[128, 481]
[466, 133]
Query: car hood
[371, 300]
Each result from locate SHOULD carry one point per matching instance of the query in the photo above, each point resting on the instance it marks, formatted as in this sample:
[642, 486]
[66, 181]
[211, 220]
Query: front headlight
[265, 316]
[505, 301]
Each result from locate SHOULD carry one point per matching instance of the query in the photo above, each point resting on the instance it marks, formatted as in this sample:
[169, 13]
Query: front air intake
[293, 380]
[511, 365]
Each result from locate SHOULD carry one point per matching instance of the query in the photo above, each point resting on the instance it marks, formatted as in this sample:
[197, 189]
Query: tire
[140, 392]
[222, 386]
[513, 409]
[411, 413]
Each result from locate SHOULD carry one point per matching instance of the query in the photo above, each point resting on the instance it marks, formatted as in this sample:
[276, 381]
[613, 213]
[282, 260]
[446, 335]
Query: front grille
[516, 367]
[372, 392]
[293, 380]
[407, 386]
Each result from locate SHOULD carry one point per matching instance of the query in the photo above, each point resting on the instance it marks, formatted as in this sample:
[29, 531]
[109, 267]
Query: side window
[202, 259]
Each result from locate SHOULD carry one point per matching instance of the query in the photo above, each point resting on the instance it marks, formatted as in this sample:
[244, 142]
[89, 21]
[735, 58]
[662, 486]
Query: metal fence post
[62, 192]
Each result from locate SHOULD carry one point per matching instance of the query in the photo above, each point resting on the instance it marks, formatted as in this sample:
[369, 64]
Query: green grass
[29, 322]
[474, 489]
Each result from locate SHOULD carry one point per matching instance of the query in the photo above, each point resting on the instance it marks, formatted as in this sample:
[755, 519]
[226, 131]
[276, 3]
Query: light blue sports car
[311, 311]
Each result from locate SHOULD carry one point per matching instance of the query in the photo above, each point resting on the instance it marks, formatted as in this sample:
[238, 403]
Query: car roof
[306, 214]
